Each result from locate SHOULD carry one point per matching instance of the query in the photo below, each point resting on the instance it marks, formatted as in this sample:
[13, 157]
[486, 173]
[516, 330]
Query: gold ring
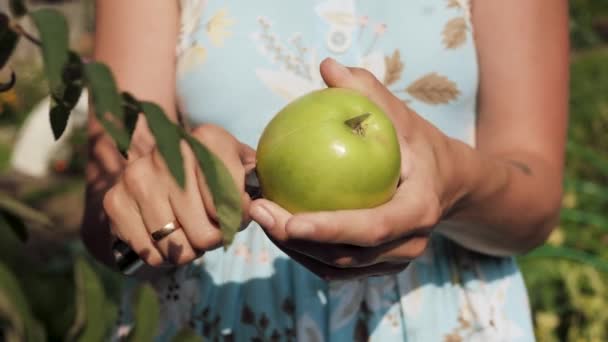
[164, 231]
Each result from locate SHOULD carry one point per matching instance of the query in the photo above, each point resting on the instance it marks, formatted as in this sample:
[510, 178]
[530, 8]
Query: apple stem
[356, 123]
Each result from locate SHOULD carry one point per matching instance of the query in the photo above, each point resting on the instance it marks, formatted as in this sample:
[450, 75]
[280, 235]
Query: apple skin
[310, 159]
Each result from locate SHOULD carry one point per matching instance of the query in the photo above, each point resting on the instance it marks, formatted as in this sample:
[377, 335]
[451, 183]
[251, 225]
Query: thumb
[337, 75]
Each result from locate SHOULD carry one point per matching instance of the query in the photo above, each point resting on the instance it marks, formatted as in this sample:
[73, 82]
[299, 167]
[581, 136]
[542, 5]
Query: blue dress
[239, 62]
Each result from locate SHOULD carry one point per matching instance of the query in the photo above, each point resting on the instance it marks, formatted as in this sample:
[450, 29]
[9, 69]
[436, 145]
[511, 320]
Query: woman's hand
[353, 243]
[146, 198]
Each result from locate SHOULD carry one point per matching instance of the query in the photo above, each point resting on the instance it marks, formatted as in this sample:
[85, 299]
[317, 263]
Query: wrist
[479, 179]
[465, 173]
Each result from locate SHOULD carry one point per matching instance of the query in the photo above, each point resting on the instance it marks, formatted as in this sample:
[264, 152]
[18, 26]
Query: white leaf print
[308, 330]
[338, 12]
[349, 294]
[191, 11]
[286, 84]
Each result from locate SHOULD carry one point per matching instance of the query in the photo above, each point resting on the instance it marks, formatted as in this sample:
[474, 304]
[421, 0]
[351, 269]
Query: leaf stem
[20, 30]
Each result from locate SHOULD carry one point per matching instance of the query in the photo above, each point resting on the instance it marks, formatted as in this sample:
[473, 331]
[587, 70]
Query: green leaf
[547, 251]
[167, 136]
[90, 323]
[73, 71]
[53, 30]
[587, 188]
[132, 108]
[11, 322]
[68, 95]
[59, 116]
[18, 209]
[118, 134]
[18, 8]
[593, 158]
[71, 95]
[15, 224]
[8, 40]
[147, 315]
[187, 335]
[226, 197]
[72, 77]
[106, 99]
[14, 301]
[103, 90]
[583, 217]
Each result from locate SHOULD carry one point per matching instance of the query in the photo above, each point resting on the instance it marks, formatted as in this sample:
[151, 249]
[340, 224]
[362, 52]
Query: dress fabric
[239, 62]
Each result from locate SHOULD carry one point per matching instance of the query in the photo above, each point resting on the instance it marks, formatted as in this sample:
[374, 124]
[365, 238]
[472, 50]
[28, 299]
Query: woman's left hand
[382, 240]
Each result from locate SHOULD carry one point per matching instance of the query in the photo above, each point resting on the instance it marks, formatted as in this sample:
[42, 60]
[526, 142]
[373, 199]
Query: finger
[413, 247]
[126, 224]
[271, 217]
[175, 247]
[339, 256]
[338, 76]
[411, 210]
[148, 181]
[248, 160]
[189, 209]
[349, 256]
[328, 272]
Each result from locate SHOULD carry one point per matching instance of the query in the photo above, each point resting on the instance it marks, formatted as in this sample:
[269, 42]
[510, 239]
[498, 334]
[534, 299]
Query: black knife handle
[127, 261]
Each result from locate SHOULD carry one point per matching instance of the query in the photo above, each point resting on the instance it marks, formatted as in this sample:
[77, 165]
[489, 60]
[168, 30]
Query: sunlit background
[567, 278]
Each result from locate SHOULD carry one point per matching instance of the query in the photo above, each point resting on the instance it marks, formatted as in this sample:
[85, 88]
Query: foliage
[67, 75]
[569, 297]
[585, 16]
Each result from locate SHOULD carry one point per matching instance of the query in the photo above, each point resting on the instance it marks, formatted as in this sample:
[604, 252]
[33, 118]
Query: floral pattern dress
[239, 62]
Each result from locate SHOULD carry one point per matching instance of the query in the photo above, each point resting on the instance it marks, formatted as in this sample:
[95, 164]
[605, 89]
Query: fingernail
[301, 230]
[339, 67]
[262, 216]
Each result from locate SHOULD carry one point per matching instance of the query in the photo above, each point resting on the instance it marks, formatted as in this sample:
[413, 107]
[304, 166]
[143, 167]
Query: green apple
[330, 149]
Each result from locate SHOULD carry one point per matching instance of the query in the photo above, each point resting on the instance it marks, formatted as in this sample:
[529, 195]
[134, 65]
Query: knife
[128, 262]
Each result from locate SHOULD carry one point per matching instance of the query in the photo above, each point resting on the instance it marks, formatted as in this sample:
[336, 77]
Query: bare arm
[516, 170]
[136, 38]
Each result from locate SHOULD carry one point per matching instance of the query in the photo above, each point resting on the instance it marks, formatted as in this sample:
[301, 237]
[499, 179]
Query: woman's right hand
[146, 198]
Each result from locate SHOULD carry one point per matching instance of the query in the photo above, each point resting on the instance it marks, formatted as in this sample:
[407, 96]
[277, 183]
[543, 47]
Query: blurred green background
[50, 275]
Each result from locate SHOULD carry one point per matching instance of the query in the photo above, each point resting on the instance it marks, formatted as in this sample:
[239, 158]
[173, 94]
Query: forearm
[511, 204]
[141, 54]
